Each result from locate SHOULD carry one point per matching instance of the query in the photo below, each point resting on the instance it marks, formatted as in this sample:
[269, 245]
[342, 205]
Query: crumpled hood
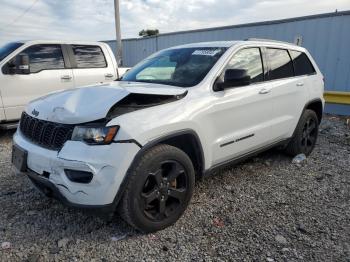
[86, 104]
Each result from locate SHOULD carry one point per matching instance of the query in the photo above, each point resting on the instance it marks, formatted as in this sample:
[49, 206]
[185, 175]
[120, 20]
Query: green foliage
[148, 32]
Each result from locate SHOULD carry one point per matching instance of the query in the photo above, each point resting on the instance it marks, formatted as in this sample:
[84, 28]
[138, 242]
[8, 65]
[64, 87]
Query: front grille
[44, 133]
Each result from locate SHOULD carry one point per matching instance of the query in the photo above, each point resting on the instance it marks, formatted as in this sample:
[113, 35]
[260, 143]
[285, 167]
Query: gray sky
[94, 19]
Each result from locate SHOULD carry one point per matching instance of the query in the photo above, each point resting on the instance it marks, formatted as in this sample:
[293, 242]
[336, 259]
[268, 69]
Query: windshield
[183, 67]
[8, 49]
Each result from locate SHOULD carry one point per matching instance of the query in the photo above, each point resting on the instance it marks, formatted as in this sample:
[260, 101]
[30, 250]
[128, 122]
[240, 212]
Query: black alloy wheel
[309, 135]
[164, 191]
[159, 188]
[305, 134]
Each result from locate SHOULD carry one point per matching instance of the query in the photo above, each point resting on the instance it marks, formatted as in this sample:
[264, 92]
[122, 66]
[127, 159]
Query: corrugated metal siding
[326, 36]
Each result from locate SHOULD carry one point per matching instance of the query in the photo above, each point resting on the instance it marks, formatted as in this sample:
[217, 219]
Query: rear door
[91, 65]
[288, 92]
[305, 72]
[48, 73]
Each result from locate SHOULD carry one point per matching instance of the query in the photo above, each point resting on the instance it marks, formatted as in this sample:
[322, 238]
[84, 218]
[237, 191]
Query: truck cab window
[89, 56]
[45, 57]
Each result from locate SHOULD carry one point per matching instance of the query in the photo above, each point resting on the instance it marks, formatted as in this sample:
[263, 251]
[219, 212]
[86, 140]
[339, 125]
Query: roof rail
[268, 40]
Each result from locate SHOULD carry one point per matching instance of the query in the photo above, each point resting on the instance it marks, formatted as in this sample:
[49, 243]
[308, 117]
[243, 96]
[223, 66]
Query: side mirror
[233, 78]
[22, 64]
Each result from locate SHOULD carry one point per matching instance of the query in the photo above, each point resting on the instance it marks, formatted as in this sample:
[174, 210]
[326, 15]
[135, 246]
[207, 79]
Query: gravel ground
[265, 209]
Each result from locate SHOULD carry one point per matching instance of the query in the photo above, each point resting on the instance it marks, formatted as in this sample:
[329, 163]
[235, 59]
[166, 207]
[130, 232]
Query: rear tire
[305, 135]
[159, 189]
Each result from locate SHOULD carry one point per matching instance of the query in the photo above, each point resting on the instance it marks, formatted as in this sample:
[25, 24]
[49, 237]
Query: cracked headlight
[95, 135]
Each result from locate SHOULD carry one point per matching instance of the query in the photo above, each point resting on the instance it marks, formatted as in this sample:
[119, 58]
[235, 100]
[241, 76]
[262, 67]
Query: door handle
[66, 77]
[264, 91]
[109, 75]
[300, 84]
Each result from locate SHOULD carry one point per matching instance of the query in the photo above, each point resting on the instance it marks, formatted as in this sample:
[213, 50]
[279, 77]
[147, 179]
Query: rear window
[280, 64]
[89, 56]
[302, 64]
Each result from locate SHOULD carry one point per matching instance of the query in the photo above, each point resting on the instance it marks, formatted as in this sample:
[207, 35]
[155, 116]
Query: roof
[43, 41]
[208, 44]
[228, 44]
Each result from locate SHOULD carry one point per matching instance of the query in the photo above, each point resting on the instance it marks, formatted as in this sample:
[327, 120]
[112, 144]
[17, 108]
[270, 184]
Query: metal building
[326, 36]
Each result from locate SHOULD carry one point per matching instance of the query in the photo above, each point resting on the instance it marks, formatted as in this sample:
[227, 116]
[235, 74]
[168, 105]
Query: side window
[302, 64]
[45, 57]
[89, 56]
[250, 60]
[280, 63]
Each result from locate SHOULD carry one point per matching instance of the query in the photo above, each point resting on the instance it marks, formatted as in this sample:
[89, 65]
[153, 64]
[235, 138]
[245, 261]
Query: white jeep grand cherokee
[138, 144]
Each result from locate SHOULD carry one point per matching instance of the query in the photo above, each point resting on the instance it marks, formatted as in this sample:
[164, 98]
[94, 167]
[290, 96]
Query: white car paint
[216, 117]
[71, 106]
[17, 90]
[108, 174]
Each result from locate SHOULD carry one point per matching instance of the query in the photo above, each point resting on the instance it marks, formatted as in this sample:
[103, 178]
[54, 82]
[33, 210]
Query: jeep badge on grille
[35, 113]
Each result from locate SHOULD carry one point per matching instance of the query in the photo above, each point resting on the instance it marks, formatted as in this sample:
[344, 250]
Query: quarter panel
[316, 84]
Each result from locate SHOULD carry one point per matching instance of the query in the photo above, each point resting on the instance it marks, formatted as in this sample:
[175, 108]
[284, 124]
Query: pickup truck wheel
[159, 189]
[305, 135]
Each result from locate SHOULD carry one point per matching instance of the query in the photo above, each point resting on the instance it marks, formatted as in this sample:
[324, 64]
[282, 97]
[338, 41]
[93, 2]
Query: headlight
[95, 135]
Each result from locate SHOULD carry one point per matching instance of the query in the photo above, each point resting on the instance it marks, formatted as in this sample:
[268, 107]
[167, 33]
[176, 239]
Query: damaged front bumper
[108, 165]
[51, 190]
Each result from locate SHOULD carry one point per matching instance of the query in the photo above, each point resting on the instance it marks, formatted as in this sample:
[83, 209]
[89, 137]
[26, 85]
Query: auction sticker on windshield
[208, 52]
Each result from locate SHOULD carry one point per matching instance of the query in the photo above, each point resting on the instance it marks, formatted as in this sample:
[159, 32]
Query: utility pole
[119, 49]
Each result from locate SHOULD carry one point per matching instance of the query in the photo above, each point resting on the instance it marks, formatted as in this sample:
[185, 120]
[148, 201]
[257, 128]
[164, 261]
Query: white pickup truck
[31, 69]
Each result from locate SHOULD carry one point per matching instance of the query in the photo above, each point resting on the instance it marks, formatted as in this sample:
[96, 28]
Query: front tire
[159, 189]
[305, 135]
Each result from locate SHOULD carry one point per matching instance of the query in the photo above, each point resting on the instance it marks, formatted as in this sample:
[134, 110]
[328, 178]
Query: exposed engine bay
[134, 101]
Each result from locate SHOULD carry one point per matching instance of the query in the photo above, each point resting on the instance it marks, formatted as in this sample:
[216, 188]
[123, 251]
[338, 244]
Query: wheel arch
[173, 139]
[315, 105]
[186, 140]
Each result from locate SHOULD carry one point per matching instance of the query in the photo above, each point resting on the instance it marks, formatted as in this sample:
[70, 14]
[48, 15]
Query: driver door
[48, 73]
[241, 116]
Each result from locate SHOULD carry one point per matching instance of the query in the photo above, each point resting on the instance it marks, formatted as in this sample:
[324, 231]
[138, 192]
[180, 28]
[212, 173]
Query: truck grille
[44, 133]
